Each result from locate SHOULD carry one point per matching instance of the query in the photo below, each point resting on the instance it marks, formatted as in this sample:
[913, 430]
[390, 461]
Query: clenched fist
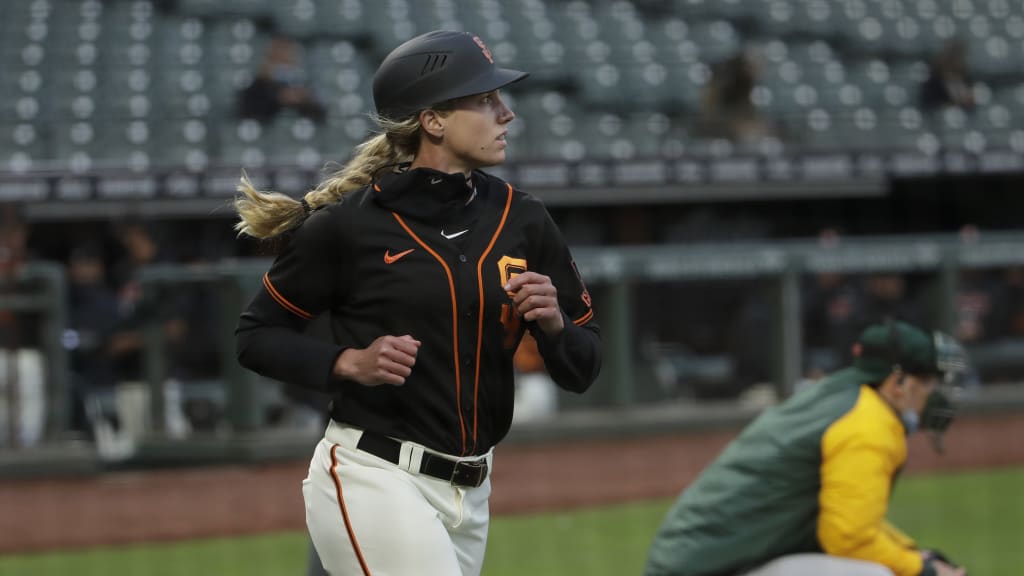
[389, 360]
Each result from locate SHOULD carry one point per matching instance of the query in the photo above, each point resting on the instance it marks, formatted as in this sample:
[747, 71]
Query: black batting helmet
[435, 67]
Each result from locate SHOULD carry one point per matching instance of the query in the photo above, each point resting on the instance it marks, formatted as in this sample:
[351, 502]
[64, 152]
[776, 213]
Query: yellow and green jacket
[813, 474]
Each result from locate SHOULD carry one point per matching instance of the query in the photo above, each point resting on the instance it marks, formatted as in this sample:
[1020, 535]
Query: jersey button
[467, 360]
[462, 257]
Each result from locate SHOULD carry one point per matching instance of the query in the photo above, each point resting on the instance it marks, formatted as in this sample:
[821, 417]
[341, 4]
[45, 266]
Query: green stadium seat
[338, 137]
[1010, 96]
[210, 8]
[993, 55]
[602, 85]
[183, 143]
[343, 78]
[242, 143]
[296, 18]
[550, 138]
[22, 146]
[647, 86]
[650, 133]
[293, 141]
[687, 85]
[711, 9]
[718, 39]
[341, 18]
[604, 137]
[127, 106]
[672, 42]
[72, 146]
[124, 144]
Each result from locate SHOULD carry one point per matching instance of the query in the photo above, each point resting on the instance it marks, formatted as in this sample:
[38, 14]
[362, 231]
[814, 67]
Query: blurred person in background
[727, 109]
[92, 308]
[889, 295]
[949, 82]
[833, 314]
[138, 308]
[431, 270]
[979, 314]
[536, 393]
[22, 366]
[1012, 281]
[139, 249]
[980, 304]
[804, 489]
[280, 84]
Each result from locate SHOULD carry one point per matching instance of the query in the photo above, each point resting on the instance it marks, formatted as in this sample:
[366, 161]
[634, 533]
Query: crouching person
[804, 489]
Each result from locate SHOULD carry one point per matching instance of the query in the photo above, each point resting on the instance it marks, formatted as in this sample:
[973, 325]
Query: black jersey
[409, 255]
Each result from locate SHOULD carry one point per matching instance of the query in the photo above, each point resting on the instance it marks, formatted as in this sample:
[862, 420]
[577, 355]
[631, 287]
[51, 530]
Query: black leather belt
[469, 474]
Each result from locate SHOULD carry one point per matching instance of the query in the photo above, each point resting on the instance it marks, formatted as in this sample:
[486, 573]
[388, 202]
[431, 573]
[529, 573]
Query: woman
[431, 271]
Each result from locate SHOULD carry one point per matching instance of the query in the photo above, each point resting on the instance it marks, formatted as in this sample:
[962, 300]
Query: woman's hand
[389, 360]
[536, 300]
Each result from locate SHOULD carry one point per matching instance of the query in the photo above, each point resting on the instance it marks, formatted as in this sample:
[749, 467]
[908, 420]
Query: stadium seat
[183, 143]
[207, 8]
[22, 147]
[242, 143]
[124, 144]
[292, 141]
[343, 78]
[852, 66]
[340, 18]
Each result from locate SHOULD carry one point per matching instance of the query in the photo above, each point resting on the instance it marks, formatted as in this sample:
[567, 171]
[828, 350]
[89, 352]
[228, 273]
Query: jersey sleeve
[303, 282]
[858, 467]
[573, 357]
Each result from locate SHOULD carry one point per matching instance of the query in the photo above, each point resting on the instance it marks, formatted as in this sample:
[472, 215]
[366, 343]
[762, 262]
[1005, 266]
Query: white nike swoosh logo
[435, 180]
[455, 235]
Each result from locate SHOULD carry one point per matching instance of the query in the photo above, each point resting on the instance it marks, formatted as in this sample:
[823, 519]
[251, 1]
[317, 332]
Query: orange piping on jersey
[284, 301]
[455, 323]
[377, 188]
[480, 316]
[344, 511]
[584, 319]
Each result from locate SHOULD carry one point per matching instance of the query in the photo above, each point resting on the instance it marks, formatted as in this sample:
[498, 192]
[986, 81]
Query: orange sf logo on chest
[483, 47]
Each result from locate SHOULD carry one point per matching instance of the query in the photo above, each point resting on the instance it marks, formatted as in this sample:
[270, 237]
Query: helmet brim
[494, 79]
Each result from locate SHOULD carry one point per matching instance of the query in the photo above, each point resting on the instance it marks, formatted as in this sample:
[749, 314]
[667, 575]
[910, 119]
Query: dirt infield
[123, 508]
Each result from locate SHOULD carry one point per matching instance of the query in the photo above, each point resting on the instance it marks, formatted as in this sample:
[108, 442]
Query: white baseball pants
[819, 565]
[369, 517]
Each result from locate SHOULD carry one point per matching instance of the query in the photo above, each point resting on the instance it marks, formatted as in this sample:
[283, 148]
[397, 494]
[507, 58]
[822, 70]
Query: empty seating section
[151, 84]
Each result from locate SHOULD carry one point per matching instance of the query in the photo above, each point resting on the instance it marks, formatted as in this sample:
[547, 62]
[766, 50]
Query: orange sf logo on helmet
[484, 49]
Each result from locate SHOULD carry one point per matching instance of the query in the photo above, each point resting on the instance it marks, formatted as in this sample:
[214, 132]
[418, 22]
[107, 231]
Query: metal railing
[779, 266]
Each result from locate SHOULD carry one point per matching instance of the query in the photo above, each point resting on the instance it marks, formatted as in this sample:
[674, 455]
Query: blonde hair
[268, 214]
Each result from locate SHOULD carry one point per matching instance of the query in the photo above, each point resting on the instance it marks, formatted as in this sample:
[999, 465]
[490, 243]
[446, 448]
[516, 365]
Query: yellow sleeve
[861, 453]
[898, 535]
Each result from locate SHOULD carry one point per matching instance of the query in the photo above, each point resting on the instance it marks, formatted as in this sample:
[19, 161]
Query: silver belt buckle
[469, 473]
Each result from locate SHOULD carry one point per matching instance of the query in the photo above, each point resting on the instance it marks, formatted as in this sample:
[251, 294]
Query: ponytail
[265, 215]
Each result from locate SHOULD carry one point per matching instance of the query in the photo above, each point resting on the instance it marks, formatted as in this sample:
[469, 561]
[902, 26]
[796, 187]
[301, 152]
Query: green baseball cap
[884, 347]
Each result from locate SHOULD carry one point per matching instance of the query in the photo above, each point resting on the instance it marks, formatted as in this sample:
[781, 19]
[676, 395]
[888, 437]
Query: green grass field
[977, 518]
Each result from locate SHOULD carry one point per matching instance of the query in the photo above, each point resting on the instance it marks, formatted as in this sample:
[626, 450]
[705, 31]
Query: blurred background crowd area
[93, 87]
[149, 84]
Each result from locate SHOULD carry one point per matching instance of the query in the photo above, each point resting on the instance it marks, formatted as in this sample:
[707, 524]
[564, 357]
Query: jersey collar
[425, 194]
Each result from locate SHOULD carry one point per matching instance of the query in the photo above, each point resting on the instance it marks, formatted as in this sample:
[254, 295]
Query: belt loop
[414, 458]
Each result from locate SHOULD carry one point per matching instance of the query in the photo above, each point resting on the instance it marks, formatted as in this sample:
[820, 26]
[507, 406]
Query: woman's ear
[432, 123]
